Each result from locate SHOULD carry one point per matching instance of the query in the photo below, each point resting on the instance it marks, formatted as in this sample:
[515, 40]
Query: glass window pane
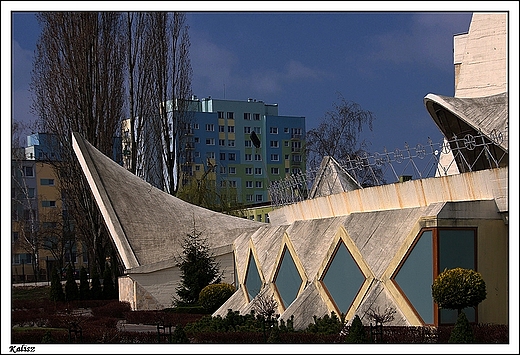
[343, 278]
[288, 280]
[456, 249]
[253, 281]
[415, 277]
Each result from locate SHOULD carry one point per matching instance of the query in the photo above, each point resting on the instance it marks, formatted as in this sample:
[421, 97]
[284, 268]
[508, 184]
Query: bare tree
[339, 136]
[77, 83]
[159, 89]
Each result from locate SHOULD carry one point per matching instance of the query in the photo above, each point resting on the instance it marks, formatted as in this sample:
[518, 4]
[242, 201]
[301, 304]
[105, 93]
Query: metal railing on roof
[417, 162]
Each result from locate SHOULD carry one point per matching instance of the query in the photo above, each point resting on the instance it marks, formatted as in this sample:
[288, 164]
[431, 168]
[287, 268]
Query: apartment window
[222, 142]
[258, 184]
[232, 170]
[249, 198]
[248, 144]
[286, 157]
[231, 129]
[232, 183]
[196, 126]
[297, 158]
[273, 130]
[275, 171]
[275, 157]
[30, 192]
[286, 130]
[296, 146]
[47, 182]
[28, 171]
[197, 154]
[296, 171]
[196, 140]
[48, 203]
[258, 171]
[286, 143]
[274, 144]
[14, 237]
[222, 156]
[287, 170]
[222, 169]
[221, 128]
[249, 171]
[220, 114]
[231, 115]
[259, 217]
[232, 156]
[259, 198]
[210, 155]
[210, 127]
[266, 218]
[257, 130]
[249, 157]
[247, 129]
[258, 157]
[197, 167]
[247, 116]
[210, 141]
[256, 116]
[249, 184]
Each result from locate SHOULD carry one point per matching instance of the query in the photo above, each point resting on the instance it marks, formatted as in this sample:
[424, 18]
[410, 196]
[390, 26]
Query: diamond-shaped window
[343, 278]
[287, 280]
[253, 282]
[415, 276]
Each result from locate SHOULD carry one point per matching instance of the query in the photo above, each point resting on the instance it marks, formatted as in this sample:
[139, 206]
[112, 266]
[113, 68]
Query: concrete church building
[358, 248]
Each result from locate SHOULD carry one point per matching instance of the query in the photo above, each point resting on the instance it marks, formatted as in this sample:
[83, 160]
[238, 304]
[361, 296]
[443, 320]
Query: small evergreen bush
[71, 287]
[213, 296]
[458, 288]
[326, 324]
[356, 334]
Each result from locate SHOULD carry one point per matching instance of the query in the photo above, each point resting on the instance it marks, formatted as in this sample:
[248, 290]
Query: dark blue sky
[387, 62]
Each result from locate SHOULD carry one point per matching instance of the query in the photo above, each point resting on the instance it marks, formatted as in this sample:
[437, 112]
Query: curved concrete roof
[146, 224]
[488, 115]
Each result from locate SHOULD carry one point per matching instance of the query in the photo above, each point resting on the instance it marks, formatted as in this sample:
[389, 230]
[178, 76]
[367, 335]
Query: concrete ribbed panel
[267, 242]
[153, 222]
[308, 304]
[378, 301]
[241, 247]
[379, 235]
[236, 302]
[312, 240]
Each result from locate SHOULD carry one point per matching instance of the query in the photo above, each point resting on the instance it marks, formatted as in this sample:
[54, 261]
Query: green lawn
[23, 293]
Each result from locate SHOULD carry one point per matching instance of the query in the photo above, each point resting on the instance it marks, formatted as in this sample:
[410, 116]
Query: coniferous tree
[108, 284]
[357, 332]
[71, 287]
[56, 293]
[198, 268]
[84, 287]
[95, 290]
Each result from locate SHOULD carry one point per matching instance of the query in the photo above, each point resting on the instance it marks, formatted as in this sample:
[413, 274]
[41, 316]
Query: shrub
[213, 296]
[462, 332]
[458, 288]
[356, 334]
[326, 324]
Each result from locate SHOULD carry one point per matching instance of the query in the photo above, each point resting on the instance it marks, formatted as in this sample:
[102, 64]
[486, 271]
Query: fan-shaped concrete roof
[146, 224]
[456, 116]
